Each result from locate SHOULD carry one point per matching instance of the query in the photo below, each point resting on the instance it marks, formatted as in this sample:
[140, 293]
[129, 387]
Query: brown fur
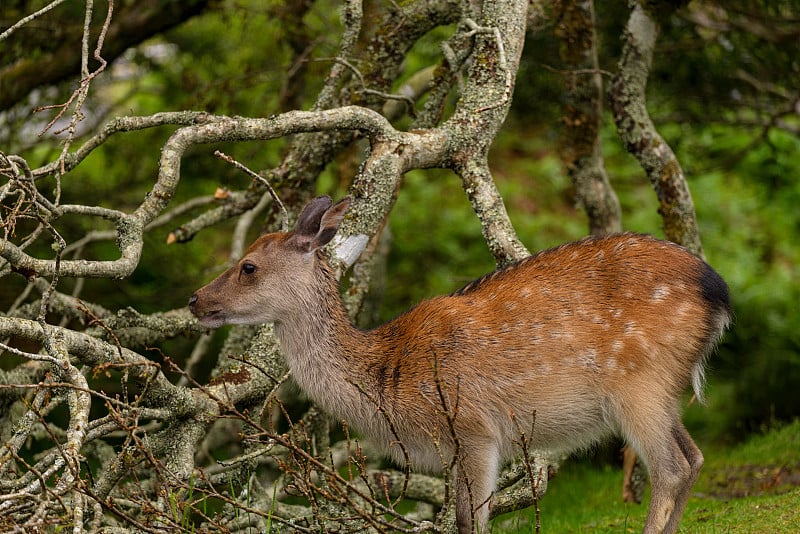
[589, 339]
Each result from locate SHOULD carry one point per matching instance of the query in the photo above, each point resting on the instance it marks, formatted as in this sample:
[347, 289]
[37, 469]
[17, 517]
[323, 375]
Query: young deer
[570, 345]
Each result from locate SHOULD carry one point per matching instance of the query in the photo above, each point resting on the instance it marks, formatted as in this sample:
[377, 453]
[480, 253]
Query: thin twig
[256, 176]
[22, 22]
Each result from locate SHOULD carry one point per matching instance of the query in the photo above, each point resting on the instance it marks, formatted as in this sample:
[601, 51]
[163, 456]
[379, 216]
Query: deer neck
[325, 352]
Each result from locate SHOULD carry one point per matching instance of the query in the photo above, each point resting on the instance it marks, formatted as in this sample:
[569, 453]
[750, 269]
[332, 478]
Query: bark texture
[641, 138]
[583, 116]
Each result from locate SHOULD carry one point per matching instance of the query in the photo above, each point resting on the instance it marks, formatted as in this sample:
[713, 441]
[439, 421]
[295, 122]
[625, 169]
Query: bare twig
[263, 181]
[33, 16]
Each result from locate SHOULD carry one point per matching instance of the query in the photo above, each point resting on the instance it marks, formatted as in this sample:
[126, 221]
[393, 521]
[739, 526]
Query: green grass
[752, 487]
[773, 513]
[581, 498]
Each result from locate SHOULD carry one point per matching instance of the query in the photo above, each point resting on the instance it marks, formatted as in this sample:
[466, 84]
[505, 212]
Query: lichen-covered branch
[485, 99]
[641, 138]
[583, 116]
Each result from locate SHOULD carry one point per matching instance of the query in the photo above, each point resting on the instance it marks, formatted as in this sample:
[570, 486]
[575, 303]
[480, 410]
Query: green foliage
[435, 250]
[236, 60]
[747, 208]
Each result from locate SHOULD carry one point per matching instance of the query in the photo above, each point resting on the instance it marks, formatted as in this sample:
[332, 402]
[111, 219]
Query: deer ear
[331, 220]
[310, 216]
[318, 223]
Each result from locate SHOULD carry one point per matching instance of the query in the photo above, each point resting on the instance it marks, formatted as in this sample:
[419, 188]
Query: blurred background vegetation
[723, 92]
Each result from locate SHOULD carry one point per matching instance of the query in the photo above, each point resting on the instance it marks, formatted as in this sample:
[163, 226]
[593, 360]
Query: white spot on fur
[659, 293]
[588, 359]
[566, 337]
[683, 310]
[630, 328]
[616, 346]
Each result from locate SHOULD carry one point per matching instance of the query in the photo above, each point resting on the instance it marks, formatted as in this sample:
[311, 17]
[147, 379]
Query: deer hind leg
[475, 478]
[629, 492]
[672, 459]
[694, 457]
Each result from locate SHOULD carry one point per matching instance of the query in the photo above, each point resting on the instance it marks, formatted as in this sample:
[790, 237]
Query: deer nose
[192, 301]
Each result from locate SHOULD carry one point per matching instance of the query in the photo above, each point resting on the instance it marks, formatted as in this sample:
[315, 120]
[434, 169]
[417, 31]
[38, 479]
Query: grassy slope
[750, 487]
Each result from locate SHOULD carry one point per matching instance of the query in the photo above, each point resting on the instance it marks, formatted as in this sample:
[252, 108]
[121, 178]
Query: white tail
[588, 339]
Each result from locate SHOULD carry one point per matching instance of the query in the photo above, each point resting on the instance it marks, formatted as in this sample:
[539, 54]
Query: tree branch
[641, 138]
[583, 116]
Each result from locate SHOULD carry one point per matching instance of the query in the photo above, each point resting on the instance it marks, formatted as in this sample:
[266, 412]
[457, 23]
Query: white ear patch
[348, 249]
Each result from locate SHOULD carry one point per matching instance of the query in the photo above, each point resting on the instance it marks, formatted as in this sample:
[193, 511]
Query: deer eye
[248, 268]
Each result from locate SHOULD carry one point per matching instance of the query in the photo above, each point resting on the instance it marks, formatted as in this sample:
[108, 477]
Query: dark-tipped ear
[331, 220]
[319, 222]
[311, 215]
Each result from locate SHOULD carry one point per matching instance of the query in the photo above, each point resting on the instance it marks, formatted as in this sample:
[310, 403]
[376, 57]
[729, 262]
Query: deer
[572, 344]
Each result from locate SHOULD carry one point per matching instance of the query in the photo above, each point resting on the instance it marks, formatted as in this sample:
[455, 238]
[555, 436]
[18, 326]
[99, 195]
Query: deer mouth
[212, 319]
